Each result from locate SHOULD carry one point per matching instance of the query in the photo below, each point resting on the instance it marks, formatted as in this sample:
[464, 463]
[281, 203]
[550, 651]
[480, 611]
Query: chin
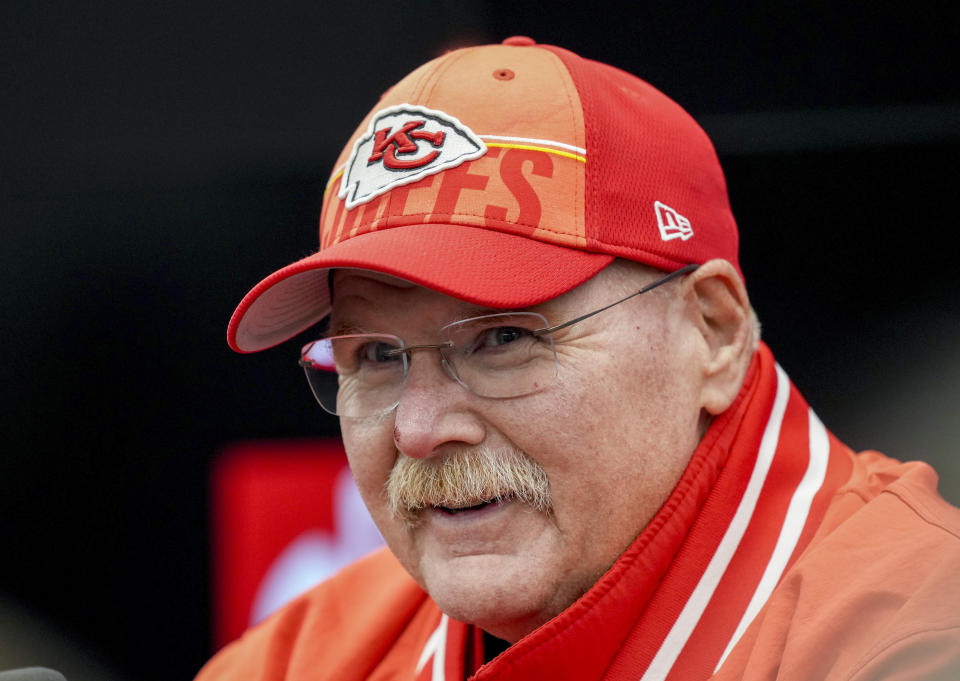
[505, 568]
[499, 594]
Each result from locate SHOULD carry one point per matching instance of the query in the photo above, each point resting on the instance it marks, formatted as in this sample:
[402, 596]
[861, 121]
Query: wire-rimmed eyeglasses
[503, 355]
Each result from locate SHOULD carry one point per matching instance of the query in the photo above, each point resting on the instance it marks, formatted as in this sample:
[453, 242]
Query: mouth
[455, 510]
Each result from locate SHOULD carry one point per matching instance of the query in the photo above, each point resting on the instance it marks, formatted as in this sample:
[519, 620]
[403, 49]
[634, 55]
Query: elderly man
[557, 408]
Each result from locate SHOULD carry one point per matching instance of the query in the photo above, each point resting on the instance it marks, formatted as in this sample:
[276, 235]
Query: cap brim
[477, 265]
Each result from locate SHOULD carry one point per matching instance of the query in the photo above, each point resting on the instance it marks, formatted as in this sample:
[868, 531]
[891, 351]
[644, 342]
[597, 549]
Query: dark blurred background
[158, 159]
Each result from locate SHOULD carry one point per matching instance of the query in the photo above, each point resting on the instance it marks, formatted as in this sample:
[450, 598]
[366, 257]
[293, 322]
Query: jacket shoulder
[340, 629]
[875, 592]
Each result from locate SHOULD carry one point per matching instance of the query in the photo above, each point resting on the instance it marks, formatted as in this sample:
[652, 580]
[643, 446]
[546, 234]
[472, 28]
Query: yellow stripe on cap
[333, 179]
[530, 147]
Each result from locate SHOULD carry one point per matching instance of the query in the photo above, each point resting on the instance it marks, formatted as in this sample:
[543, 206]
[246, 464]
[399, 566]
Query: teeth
[457, 509]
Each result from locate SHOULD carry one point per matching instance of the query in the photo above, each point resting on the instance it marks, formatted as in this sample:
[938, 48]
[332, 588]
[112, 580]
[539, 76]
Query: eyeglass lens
[500, 356]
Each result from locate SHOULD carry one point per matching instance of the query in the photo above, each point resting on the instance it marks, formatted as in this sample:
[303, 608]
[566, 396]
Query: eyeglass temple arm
[648, 287]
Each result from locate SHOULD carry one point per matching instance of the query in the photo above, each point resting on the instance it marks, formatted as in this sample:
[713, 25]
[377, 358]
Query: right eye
[378, 353]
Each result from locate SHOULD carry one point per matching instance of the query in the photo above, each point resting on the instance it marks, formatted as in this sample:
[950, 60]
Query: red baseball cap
[505, 175]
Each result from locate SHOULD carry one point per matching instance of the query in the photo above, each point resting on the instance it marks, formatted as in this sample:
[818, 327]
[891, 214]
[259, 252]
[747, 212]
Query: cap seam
[449, 60]
[445, 218]
[568, 81]
[598, 247]
[418, 88]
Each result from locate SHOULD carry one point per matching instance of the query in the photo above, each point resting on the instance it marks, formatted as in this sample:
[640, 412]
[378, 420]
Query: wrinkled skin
[637, 386]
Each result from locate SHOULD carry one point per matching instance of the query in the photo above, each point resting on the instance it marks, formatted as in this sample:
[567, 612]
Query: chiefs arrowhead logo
[403, 144]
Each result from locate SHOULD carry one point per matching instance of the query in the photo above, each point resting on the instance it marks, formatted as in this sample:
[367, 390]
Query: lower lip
[469, 516]
[503, 527]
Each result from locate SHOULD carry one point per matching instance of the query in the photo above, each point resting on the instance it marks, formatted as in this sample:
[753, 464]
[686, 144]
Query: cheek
[614, 438]
[371, 455]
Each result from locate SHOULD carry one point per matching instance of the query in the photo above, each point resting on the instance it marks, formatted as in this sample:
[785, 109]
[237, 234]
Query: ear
[720, 309]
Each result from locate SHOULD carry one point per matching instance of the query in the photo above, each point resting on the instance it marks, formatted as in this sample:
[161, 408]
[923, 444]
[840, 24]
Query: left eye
[501, 335]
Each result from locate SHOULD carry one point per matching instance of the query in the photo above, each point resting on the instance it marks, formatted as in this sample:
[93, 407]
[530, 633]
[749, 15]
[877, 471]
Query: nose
[434, 410]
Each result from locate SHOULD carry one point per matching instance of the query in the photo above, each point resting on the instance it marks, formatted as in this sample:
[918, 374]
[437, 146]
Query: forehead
[364, 297]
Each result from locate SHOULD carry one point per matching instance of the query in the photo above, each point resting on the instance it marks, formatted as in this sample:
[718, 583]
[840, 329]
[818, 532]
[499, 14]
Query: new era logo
[672, 224]
[403, 144]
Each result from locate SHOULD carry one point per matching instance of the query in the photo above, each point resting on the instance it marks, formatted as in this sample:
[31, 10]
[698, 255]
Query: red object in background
[266, 495]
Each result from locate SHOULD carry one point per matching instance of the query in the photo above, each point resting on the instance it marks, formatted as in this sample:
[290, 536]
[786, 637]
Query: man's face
[612, 435]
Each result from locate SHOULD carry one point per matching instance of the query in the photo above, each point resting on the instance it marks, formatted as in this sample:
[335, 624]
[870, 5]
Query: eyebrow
[346, 327]
[477, 311]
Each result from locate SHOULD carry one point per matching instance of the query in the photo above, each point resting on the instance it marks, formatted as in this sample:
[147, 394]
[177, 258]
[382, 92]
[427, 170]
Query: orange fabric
[870, 588]
[364, 623]
[490, 191]
[877, 593]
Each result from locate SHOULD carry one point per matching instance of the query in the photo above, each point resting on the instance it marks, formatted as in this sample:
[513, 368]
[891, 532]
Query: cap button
[520, 41]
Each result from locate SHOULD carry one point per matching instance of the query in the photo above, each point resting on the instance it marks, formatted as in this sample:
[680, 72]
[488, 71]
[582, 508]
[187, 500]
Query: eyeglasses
[504, 355]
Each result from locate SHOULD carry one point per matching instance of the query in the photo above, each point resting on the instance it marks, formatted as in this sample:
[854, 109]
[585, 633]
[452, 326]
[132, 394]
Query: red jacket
[780, 554]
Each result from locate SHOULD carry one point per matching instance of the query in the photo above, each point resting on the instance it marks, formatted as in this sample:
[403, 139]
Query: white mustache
[465, 478]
